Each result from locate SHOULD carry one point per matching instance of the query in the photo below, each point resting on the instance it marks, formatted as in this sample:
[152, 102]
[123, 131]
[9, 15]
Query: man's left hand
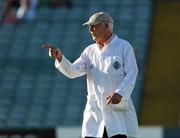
[115, 98]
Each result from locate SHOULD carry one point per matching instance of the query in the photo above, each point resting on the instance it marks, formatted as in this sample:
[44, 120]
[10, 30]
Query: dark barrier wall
[28, 133]
[171, 133]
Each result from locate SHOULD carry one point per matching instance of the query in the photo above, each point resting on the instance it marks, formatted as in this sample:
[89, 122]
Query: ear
[106, 25]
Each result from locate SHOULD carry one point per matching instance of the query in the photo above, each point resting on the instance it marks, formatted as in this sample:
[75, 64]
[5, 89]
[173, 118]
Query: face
[98, 32]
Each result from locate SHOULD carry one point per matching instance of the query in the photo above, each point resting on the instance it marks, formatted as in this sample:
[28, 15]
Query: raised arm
[71, 70]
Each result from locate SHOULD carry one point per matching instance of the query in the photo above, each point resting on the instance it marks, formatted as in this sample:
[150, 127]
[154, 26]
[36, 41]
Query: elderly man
[111, 70]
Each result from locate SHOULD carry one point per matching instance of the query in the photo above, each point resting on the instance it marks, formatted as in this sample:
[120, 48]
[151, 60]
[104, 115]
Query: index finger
[48, 46]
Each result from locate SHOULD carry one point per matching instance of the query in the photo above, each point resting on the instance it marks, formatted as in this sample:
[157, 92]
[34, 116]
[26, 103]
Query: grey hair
[110, 25]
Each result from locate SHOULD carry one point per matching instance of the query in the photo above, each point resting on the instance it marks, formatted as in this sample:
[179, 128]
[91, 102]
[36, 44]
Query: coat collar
[108, 42]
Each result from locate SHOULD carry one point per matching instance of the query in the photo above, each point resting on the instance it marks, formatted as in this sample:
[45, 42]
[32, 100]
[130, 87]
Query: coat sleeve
[131, 70]
[72, 70]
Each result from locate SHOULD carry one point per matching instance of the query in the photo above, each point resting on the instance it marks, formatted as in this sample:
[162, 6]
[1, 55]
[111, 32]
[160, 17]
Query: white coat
[111, 69]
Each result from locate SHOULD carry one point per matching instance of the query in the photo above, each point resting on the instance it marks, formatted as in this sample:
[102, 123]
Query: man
[111, 70]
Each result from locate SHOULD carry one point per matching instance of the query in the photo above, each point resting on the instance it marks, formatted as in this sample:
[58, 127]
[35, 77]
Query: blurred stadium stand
[32, 92]
[160, 104]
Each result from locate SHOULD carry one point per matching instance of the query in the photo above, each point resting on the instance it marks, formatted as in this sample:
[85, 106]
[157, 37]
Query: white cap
[100, 17]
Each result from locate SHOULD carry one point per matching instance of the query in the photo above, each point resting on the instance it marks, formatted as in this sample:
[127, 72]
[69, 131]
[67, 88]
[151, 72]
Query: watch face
[116, 65]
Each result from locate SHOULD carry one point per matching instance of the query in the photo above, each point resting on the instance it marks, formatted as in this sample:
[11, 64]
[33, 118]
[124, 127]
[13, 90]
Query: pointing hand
[53, 52]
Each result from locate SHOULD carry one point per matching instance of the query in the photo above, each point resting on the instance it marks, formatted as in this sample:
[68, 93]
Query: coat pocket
[122, 106]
